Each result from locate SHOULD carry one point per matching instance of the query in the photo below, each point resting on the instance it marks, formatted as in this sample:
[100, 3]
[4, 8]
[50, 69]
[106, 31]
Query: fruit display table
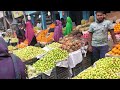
[64, 66]
[70, 62]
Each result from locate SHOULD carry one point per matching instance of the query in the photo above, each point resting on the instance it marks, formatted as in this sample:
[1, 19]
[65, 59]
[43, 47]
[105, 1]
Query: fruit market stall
[72, 45]
[54, 60]
[48, 62]
[11, 40]
[114, 52]
[29, 53]
[105, 68]
[66, 64]
[45, 37]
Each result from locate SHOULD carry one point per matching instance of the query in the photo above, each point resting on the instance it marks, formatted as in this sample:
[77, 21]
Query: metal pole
[4, 21]
[84, 15]
[24, 16]
[43, 17]
[95, 15]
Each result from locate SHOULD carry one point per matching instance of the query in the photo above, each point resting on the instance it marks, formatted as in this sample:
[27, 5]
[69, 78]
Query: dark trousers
[99, 52]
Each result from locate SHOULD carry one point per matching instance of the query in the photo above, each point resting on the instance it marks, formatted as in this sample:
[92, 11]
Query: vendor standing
[21, 21]
[98, 30]
[63, 22]
[39, 24]
[20, 32]
[58, 31]
[68, 26]
[30, 36]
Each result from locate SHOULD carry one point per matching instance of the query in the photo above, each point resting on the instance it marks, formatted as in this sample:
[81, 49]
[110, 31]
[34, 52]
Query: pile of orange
[115, 51]
[117, 28]
[52, 25]
[23, 44]
[43, 37]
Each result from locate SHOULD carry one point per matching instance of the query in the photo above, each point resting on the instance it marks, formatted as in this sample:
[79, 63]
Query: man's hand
[114, 44]
[90, 48]
[113, 37]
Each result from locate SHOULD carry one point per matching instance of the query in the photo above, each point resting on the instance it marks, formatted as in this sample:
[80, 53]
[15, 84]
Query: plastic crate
[62, 73]
[77, 69]
[52, 75]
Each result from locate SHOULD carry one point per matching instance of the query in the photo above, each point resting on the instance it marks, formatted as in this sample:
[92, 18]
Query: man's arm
[90, 38]
[90, 41]
[111, 29]
[113, 36]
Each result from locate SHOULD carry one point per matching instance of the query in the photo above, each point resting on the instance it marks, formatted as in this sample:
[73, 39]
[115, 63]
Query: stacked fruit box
[114, 52]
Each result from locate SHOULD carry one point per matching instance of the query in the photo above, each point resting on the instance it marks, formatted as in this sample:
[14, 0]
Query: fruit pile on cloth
[48, 62]
[114, 51]
[28, 52]
[73, 59]
[105, 68]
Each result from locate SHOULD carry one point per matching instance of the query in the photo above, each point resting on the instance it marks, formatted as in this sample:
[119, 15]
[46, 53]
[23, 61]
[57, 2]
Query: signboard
[17, 14]
[29, 12]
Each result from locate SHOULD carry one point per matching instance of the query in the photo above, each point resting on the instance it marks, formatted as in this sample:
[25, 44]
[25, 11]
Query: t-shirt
[39, 25]
[100, 32]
